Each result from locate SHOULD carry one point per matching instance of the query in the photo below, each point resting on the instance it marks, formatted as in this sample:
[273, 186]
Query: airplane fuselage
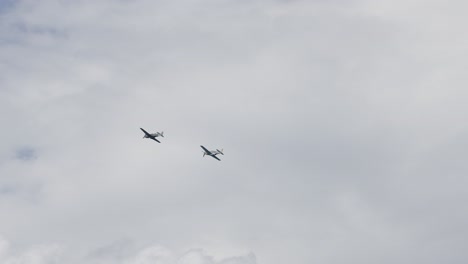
[213, 153]
[154, 135]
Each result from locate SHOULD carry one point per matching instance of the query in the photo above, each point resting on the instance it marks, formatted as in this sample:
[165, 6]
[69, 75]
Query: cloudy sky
[343, 125]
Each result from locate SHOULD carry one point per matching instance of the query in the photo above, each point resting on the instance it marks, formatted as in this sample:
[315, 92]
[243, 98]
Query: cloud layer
[343, 125]
[118, 253]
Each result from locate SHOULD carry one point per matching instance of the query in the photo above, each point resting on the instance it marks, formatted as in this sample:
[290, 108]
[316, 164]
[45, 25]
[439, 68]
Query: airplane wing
[207, 151]
[153, 138]
[215, 157]
[144, 131]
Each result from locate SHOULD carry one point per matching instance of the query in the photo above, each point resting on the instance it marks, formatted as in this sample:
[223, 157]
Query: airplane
[152, 136]
[212, 153]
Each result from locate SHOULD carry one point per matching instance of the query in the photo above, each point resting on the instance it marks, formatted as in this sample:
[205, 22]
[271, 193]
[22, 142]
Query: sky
[343, 125]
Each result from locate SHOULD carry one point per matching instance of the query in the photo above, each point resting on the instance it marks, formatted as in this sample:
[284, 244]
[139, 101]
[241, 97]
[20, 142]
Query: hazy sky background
[343, 125]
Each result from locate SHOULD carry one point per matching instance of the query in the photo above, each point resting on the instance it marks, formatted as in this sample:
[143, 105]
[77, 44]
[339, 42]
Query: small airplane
[212, 153]
[152, 136]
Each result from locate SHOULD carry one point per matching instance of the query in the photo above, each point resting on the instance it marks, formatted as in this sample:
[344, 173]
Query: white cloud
[51, 254]
[46, 254]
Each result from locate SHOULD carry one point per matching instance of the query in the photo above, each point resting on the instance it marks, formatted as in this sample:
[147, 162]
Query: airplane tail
[162, 133]
[220, 151]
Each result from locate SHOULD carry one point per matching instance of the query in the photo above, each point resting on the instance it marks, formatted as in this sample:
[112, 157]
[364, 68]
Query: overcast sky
[343, 125]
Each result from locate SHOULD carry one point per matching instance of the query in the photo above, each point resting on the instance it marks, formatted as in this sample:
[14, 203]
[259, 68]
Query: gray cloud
[342, 124]
[26, 153]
